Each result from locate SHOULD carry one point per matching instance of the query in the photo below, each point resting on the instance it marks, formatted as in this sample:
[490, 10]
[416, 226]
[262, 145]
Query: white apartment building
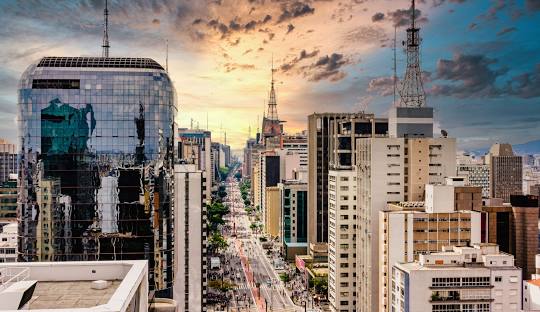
[392, 170]
[190, 245]
[77, 286]
[8, 242]
[409, 229]
[298, 144]
[478, 279]
[342, 214]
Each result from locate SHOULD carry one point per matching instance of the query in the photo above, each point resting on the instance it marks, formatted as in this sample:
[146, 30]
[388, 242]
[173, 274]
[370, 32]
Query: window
[498, 278]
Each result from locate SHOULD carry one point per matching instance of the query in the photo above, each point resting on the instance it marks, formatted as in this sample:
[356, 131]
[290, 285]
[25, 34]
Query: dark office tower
[525, 228]
[506, 169]
[8, 160]
[331, 144]
[96, 145]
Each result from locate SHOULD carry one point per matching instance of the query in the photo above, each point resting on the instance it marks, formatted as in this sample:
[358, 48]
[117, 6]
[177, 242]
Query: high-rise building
[525, 228]
[215, 151]
[96, 137]
[343, 135]
[247, 165]
[269, 166]
[272, 211]
[194, 147]
[477, 175]
[190, 279]
[506, 177]
[392, 170]
[225, 156]
[293, 227]
[8, 160]
[342, 212]
[479, 278]
[329, 137]
[409, 229]
[8, 198]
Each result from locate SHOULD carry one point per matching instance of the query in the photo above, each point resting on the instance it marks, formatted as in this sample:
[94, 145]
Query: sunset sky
[481, 58]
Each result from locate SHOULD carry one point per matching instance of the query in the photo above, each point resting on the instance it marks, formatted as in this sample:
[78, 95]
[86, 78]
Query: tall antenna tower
[105, 45]
[412, 89]
[395, 64]
[272, 104]
[167, 56]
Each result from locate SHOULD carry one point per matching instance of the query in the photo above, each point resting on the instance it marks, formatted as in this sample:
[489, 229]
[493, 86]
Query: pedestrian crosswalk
[246, 286]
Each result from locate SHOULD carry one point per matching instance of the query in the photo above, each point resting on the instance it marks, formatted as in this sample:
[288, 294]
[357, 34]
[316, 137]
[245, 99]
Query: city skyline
[329, 56]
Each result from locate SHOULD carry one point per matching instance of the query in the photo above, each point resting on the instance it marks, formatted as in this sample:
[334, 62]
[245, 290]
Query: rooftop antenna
[249, 132]
[167, 56]
[258, 124]
[191, 123]
[105, 45]
[225, 137]
[412, 89]
[395, 63]
[207, 121]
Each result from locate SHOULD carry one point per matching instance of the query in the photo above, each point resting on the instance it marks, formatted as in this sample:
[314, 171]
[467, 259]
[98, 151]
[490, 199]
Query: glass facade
[96, 146]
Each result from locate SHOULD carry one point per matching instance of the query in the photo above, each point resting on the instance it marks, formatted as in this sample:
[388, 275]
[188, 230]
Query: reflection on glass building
[95, 174]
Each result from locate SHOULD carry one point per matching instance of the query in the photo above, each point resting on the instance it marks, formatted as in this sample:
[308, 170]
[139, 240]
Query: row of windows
[458, 281]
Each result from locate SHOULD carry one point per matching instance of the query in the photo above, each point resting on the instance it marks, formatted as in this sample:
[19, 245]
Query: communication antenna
[105, 45]
[249, 132]
[167, 56]
[207, 121]
[412, 89]
[395, 63]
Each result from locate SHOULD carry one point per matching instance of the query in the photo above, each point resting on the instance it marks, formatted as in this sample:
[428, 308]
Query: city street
[259, 277]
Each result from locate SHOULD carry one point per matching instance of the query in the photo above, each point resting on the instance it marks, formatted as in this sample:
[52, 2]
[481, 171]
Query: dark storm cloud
[506, 30]
[293, 10]
[377, 17]
[471, 76]
[327, 67]
[526, 85]
[303, 55]
[403, 17]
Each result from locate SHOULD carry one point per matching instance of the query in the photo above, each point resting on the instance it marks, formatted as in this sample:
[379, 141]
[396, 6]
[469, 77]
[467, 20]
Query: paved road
[257, 270]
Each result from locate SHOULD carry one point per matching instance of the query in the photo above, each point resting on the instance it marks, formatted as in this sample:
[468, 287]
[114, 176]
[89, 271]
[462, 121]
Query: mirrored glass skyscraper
[96, 145]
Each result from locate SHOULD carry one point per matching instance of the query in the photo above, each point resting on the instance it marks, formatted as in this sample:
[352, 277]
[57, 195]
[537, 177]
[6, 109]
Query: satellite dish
[444, 133]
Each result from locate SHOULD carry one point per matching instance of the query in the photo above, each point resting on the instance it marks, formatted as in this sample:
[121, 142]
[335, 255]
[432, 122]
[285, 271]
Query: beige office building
[506, 172]
[409, 229]
[272, 211]
[391, 170]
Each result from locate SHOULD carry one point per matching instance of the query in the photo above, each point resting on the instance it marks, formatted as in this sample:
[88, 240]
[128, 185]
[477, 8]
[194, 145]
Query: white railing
[10, 275]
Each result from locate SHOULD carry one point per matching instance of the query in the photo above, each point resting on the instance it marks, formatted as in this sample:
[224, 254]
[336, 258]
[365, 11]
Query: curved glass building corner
[96, 145]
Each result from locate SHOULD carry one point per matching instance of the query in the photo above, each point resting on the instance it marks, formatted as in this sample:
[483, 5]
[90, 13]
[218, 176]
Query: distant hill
[532, 147]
